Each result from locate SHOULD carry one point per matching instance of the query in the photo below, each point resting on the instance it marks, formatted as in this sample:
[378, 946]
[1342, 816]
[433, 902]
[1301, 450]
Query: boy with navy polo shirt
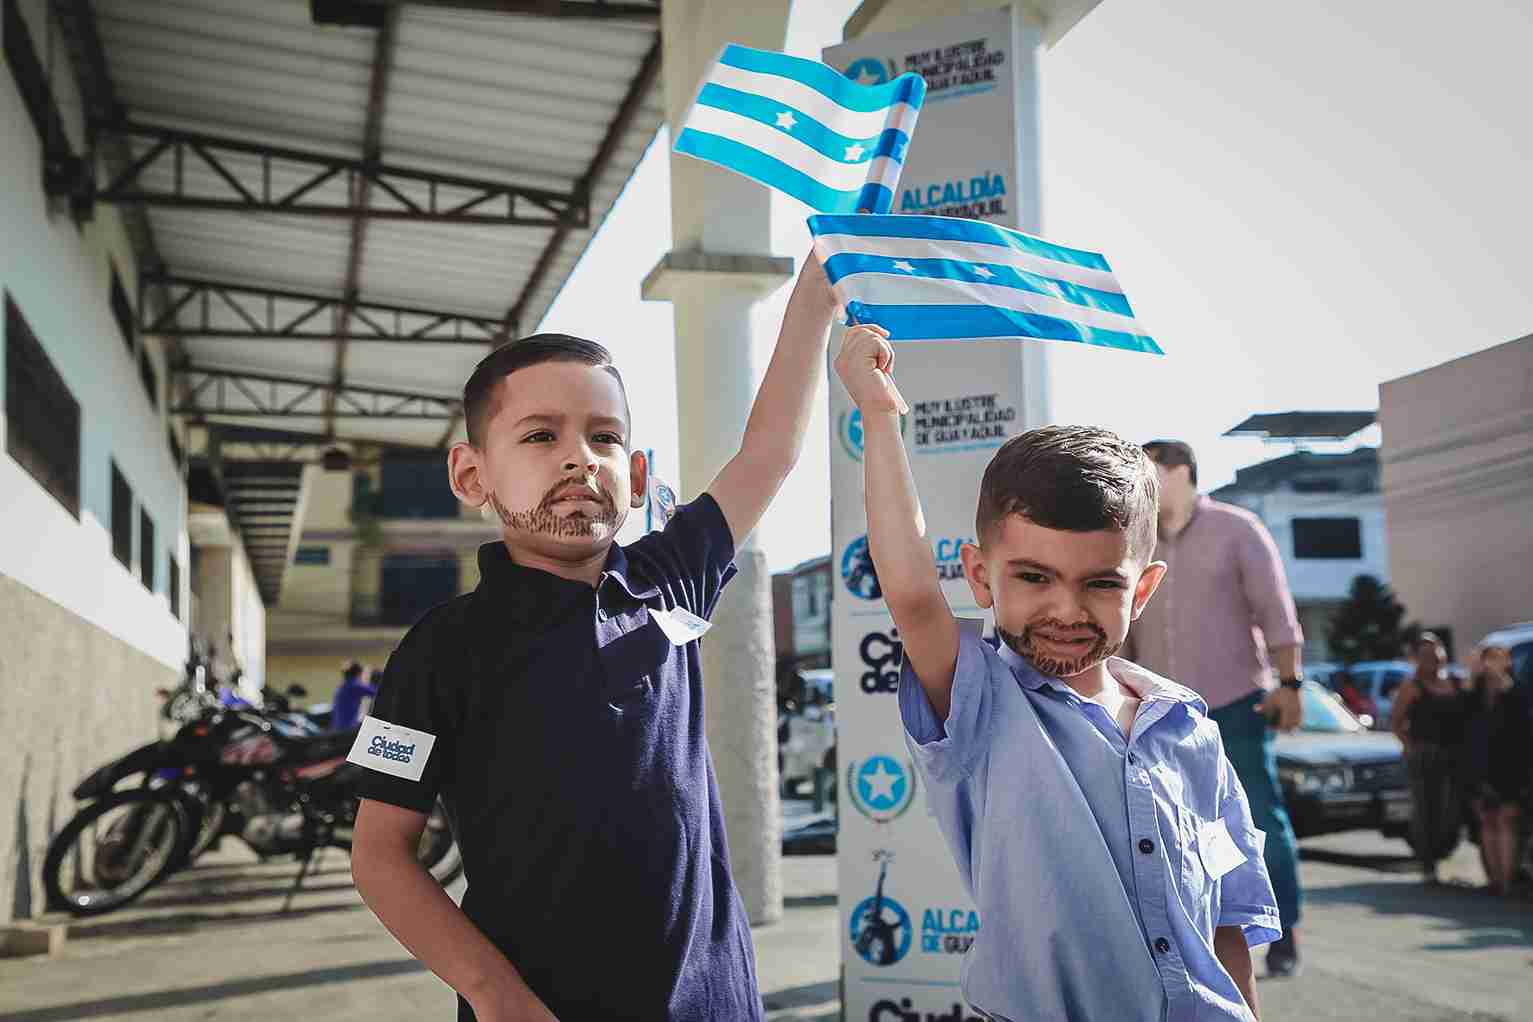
[1087, 803]
[557, 709]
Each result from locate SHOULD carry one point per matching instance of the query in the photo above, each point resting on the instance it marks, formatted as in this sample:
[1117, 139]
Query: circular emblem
[869, 71]
[881, 787]
[857, 571]
[881, 930]
[851, 433]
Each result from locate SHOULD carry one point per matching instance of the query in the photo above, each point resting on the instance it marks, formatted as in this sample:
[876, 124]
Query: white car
[807, 736]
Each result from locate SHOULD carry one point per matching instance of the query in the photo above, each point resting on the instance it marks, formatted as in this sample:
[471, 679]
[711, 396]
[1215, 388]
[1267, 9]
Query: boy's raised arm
[902, 555]
[774, 434]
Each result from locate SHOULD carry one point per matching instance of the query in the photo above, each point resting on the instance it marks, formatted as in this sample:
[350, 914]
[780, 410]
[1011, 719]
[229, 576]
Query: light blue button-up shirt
[1093, 858]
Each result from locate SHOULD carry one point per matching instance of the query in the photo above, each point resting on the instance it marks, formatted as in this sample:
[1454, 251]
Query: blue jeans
[1248, 743]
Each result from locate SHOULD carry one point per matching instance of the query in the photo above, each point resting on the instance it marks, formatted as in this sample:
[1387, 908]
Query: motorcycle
[230, 772]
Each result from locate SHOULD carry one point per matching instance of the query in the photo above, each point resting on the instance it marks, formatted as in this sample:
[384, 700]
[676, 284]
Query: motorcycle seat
[313, 748]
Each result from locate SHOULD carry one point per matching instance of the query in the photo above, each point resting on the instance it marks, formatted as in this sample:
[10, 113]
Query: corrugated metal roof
[497, 97]
[512, 99]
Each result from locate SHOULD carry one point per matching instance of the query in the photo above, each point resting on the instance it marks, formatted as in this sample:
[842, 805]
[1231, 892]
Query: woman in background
[1429, 717]
[1499, 761]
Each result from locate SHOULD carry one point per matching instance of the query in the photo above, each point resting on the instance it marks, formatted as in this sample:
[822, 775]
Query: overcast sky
[1301, 200]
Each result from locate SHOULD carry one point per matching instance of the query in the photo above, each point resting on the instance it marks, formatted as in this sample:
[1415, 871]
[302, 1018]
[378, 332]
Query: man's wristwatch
[1295, 682]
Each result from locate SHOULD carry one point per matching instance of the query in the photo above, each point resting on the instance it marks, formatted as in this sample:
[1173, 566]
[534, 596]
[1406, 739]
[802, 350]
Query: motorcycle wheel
[437, 851]
[113, 851]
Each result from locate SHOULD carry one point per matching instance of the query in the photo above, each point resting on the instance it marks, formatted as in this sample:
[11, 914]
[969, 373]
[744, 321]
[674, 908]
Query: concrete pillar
[720, 267]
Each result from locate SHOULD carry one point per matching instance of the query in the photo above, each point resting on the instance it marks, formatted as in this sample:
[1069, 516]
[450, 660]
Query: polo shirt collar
[528, 591]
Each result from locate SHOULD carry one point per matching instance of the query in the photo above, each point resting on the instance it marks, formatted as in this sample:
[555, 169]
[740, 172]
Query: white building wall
[1324, 578]
[60, 278]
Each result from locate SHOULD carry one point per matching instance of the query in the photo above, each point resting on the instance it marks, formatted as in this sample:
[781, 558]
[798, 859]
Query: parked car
[1338, 775]
[1373, 685]
[806, 734]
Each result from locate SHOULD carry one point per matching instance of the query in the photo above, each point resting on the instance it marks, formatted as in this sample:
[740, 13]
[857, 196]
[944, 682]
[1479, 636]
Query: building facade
[1458, 490]
[1326, 515]
[94, 553]
[801, 620]
[380, 543]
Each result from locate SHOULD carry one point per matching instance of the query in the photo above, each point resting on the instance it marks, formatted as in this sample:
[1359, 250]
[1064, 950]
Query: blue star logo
[882, 782]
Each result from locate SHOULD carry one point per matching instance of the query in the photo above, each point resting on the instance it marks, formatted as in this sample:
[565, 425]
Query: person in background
[1499, 761]
[346, 706]
[1429, 717]
[1222, 611]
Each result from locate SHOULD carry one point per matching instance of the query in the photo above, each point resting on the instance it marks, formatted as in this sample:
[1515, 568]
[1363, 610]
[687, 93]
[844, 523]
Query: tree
[1367, 626]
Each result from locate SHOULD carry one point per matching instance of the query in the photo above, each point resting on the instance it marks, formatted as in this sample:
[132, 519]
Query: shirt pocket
[633, 664]
[1195, 879]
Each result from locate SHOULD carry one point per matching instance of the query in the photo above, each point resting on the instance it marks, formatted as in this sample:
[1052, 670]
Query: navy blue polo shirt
[569, 750]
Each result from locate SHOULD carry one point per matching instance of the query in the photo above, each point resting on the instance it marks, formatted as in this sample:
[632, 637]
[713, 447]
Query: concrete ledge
[759, 275]
[21, 940]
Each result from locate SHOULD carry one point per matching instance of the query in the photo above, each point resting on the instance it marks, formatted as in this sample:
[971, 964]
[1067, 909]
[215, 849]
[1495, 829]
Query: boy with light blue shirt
[1088, 803]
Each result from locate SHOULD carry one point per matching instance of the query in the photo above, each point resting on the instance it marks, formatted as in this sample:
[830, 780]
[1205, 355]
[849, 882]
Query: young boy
[1087, 803]
[557, 709]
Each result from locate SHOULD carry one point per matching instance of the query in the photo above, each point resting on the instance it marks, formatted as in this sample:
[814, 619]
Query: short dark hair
[1077, 478]
[479, 391]
[1172, 454]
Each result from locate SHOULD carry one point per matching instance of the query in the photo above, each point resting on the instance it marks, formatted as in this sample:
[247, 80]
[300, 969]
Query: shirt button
[1132, 758]
[1146, 845]
[601, 615]
[1162, 945]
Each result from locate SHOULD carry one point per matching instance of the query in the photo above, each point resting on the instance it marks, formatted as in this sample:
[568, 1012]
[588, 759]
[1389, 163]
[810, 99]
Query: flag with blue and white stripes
[800, 127]
[942, 278]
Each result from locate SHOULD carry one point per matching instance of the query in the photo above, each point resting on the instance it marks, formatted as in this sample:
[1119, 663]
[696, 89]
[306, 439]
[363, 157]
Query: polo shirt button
[601, 615]
[1146, 845]
[1162, 945]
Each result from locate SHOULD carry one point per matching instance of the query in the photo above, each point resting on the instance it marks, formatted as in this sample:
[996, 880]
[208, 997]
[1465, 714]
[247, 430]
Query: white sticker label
[1218, 850]
[680, 626]
[391, 749]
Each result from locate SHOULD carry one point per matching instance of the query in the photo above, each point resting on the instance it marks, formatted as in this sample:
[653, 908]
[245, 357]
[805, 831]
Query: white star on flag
[903, 265]
[866, 77]
[880, 783]
[854, 152]
[984, 271]
[786, 120]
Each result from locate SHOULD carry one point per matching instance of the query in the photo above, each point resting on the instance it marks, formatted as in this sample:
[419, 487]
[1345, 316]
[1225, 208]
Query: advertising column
[905, 919]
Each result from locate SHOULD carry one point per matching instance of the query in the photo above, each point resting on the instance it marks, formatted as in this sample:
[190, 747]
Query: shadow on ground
[166, 999]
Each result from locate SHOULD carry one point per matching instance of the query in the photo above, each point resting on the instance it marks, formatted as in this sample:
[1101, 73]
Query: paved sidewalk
[213, 946]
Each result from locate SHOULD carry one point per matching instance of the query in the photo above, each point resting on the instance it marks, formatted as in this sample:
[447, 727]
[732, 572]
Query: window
[42, 417]
[31, 81]
[122, 309]
[415, 487]
[173, 585]
[314, 555]
[1327, 538]
[146, 549]
[150, 377]
[122, 519]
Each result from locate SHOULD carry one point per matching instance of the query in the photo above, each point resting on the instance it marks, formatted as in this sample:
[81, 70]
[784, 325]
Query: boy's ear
[638, 479]
[1149, 581]
[978, 574]
[465, 474]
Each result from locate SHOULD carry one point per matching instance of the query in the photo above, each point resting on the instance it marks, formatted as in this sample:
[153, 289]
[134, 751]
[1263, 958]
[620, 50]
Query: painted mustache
[1026, 645]
[542, 519]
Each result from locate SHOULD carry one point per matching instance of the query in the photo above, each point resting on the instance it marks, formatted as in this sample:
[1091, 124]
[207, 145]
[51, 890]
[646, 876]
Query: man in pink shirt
[1223, 608]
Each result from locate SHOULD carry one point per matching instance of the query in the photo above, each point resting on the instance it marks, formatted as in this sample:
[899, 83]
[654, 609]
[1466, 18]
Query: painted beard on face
[541, 520]
[1060, 663]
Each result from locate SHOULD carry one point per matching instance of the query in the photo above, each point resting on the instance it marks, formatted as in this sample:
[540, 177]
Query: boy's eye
[541, 436]
[1033, 578]
[607, 438]
[1107, 583]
